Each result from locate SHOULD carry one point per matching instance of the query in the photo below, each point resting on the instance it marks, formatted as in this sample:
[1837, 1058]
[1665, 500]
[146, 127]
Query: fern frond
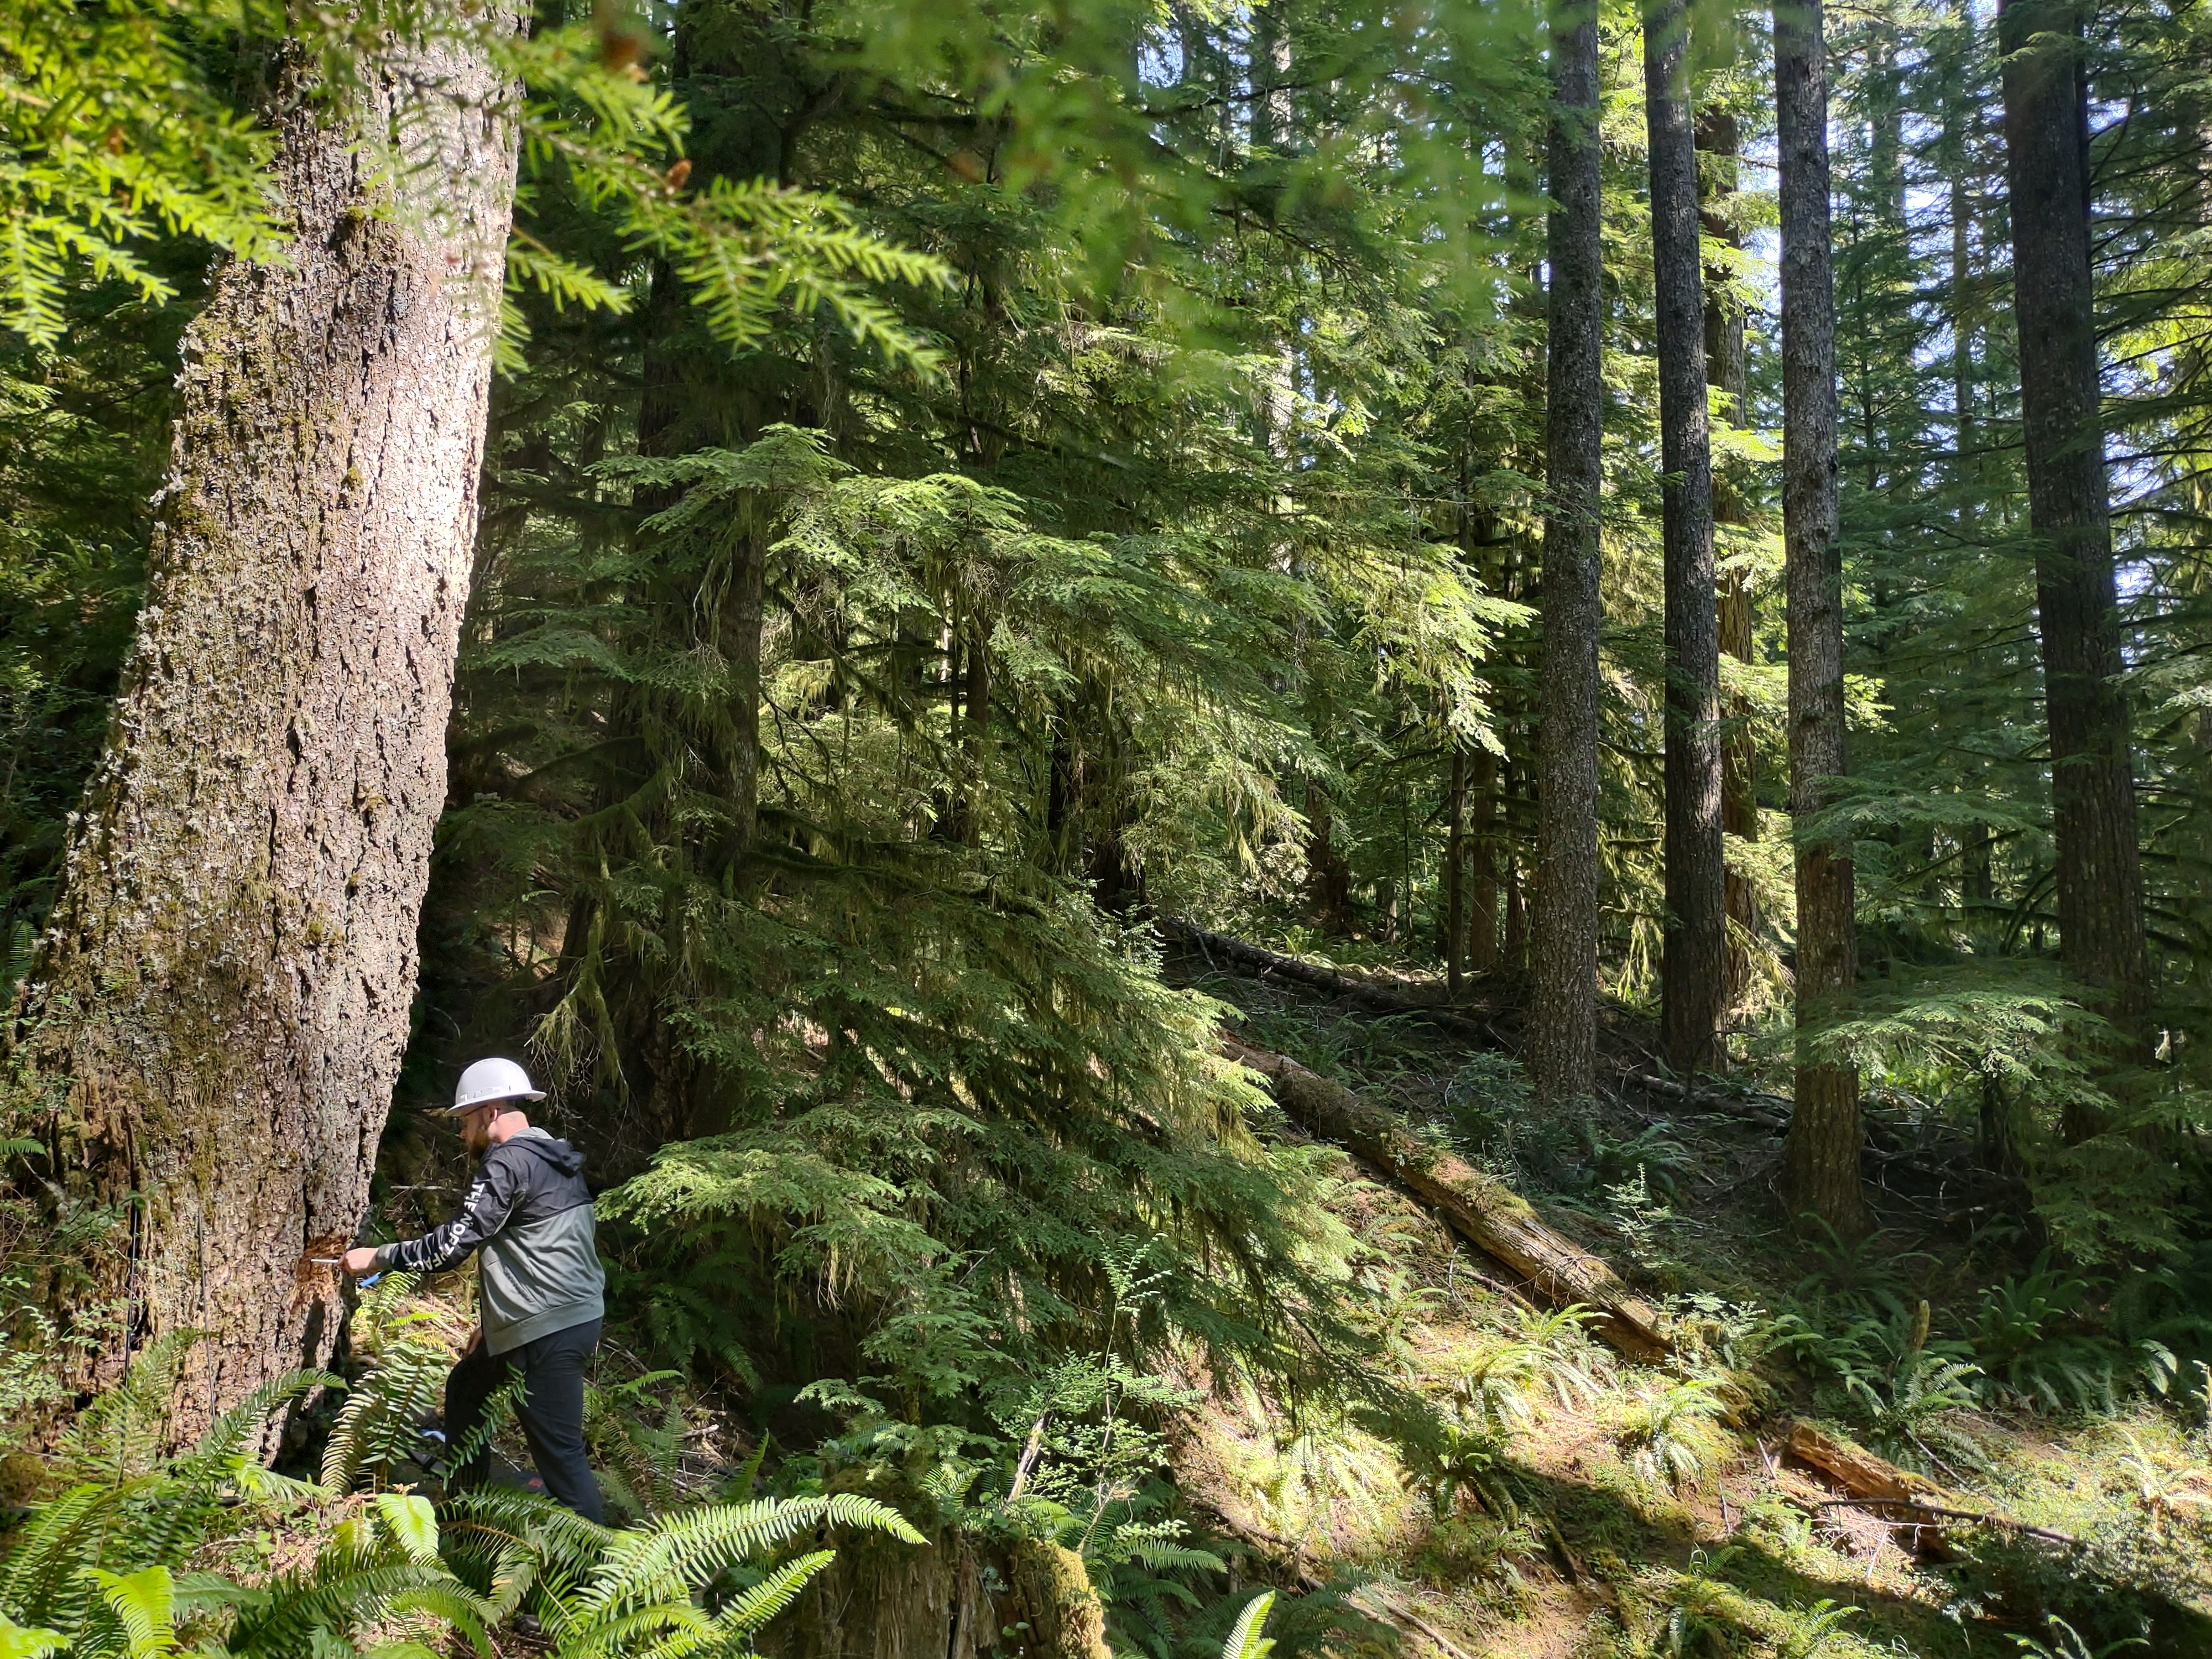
[677, 1553]
[123, 1432]
[27, 1642]
[145, 1604]
[227, 1438]
[377, 1425]
[752, 1610]
[488, 1523]
[1245, 1640]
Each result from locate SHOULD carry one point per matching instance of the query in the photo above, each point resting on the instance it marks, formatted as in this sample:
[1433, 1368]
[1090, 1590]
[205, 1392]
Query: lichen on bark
[215, 1014]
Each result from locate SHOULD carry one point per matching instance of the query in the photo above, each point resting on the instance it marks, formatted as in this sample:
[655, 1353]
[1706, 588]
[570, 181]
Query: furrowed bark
[220, 1005]
[1726, 371]
[1820, 1160]
[1483, 1211]
[2092, 798]
[1694, 967]
[1563, 1027]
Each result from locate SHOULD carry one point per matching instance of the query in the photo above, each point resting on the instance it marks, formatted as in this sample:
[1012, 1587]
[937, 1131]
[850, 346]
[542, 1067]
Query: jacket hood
[560, 1154]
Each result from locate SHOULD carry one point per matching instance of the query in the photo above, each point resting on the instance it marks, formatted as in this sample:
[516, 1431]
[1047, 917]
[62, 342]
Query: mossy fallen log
[1259, 964]
[1482, 1210]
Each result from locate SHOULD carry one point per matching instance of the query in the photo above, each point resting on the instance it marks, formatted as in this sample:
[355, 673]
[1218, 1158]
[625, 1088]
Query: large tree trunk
[223, 996]
[1726, 371]
[2100, 899]
[1562, 1050]
[1693, 970]
[1821, 1158]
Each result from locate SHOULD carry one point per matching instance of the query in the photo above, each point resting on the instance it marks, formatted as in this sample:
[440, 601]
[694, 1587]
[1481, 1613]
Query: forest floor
[1573, 1504]
[1594, 1506]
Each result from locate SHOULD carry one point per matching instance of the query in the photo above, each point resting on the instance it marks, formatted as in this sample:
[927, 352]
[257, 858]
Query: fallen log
[1911, 1504]
[1912, 1513]
[1857, 1470]
[1485, 1212]
[1264, 965]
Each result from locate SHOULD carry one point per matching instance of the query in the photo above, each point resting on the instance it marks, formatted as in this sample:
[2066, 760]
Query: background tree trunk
[1483, 838]
[1456, 869]
[1726, 370]
[1562, 1014]
[2092, 797]
[1692, 971]
[1820, 1160]
[222, 1000]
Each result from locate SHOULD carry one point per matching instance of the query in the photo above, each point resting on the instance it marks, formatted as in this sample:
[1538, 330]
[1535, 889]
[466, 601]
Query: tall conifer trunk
[1482, 850]
[1822, 1156]
[222, 998]
[2100, 898]
[1726, 370]
[1692, 970]
[1976, 887]
[1454, 941]
[1563, 1015]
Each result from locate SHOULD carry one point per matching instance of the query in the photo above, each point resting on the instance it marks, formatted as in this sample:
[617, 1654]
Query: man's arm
[484, 1210]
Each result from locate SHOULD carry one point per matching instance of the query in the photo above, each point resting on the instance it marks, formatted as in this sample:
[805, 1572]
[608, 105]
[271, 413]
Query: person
[540, 1288]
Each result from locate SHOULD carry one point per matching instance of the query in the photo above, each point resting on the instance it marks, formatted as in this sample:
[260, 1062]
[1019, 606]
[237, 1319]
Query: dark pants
[551, 1410]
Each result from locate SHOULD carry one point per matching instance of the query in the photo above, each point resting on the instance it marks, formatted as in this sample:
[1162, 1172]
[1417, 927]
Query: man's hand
[360, 1261]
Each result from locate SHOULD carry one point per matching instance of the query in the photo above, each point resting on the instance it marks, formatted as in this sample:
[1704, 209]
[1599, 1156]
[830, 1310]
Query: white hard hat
[493, 1079]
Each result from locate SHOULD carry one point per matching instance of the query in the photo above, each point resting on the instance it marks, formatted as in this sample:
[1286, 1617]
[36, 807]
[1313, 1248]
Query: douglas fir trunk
[1693, 966]
[1719, 142]
[220, 1003]
[2092, 798]
[1822, 1159]
[1563, 1023]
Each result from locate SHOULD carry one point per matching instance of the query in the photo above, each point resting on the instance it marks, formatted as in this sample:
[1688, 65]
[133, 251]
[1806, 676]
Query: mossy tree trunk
[217, 1011]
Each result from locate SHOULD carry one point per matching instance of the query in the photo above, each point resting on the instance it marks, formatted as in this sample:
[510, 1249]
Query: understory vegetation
[1075, 492]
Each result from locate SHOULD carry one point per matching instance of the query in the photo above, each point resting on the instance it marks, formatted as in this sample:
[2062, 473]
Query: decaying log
[1263, 965]
[1911, 1503]
[1484, 1211]
[1857, 1470]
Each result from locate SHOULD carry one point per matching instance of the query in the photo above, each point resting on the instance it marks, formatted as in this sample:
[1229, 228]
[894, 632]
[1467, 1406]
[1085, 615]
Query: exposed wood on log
[1888, 1508]
[1910, 1502]
[1482, 1210]
[1857, 1470]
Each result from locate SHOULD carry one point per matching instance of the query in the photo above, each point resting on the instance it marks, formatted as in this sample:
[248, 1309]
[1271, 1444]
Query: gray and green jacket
[529, 1213]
